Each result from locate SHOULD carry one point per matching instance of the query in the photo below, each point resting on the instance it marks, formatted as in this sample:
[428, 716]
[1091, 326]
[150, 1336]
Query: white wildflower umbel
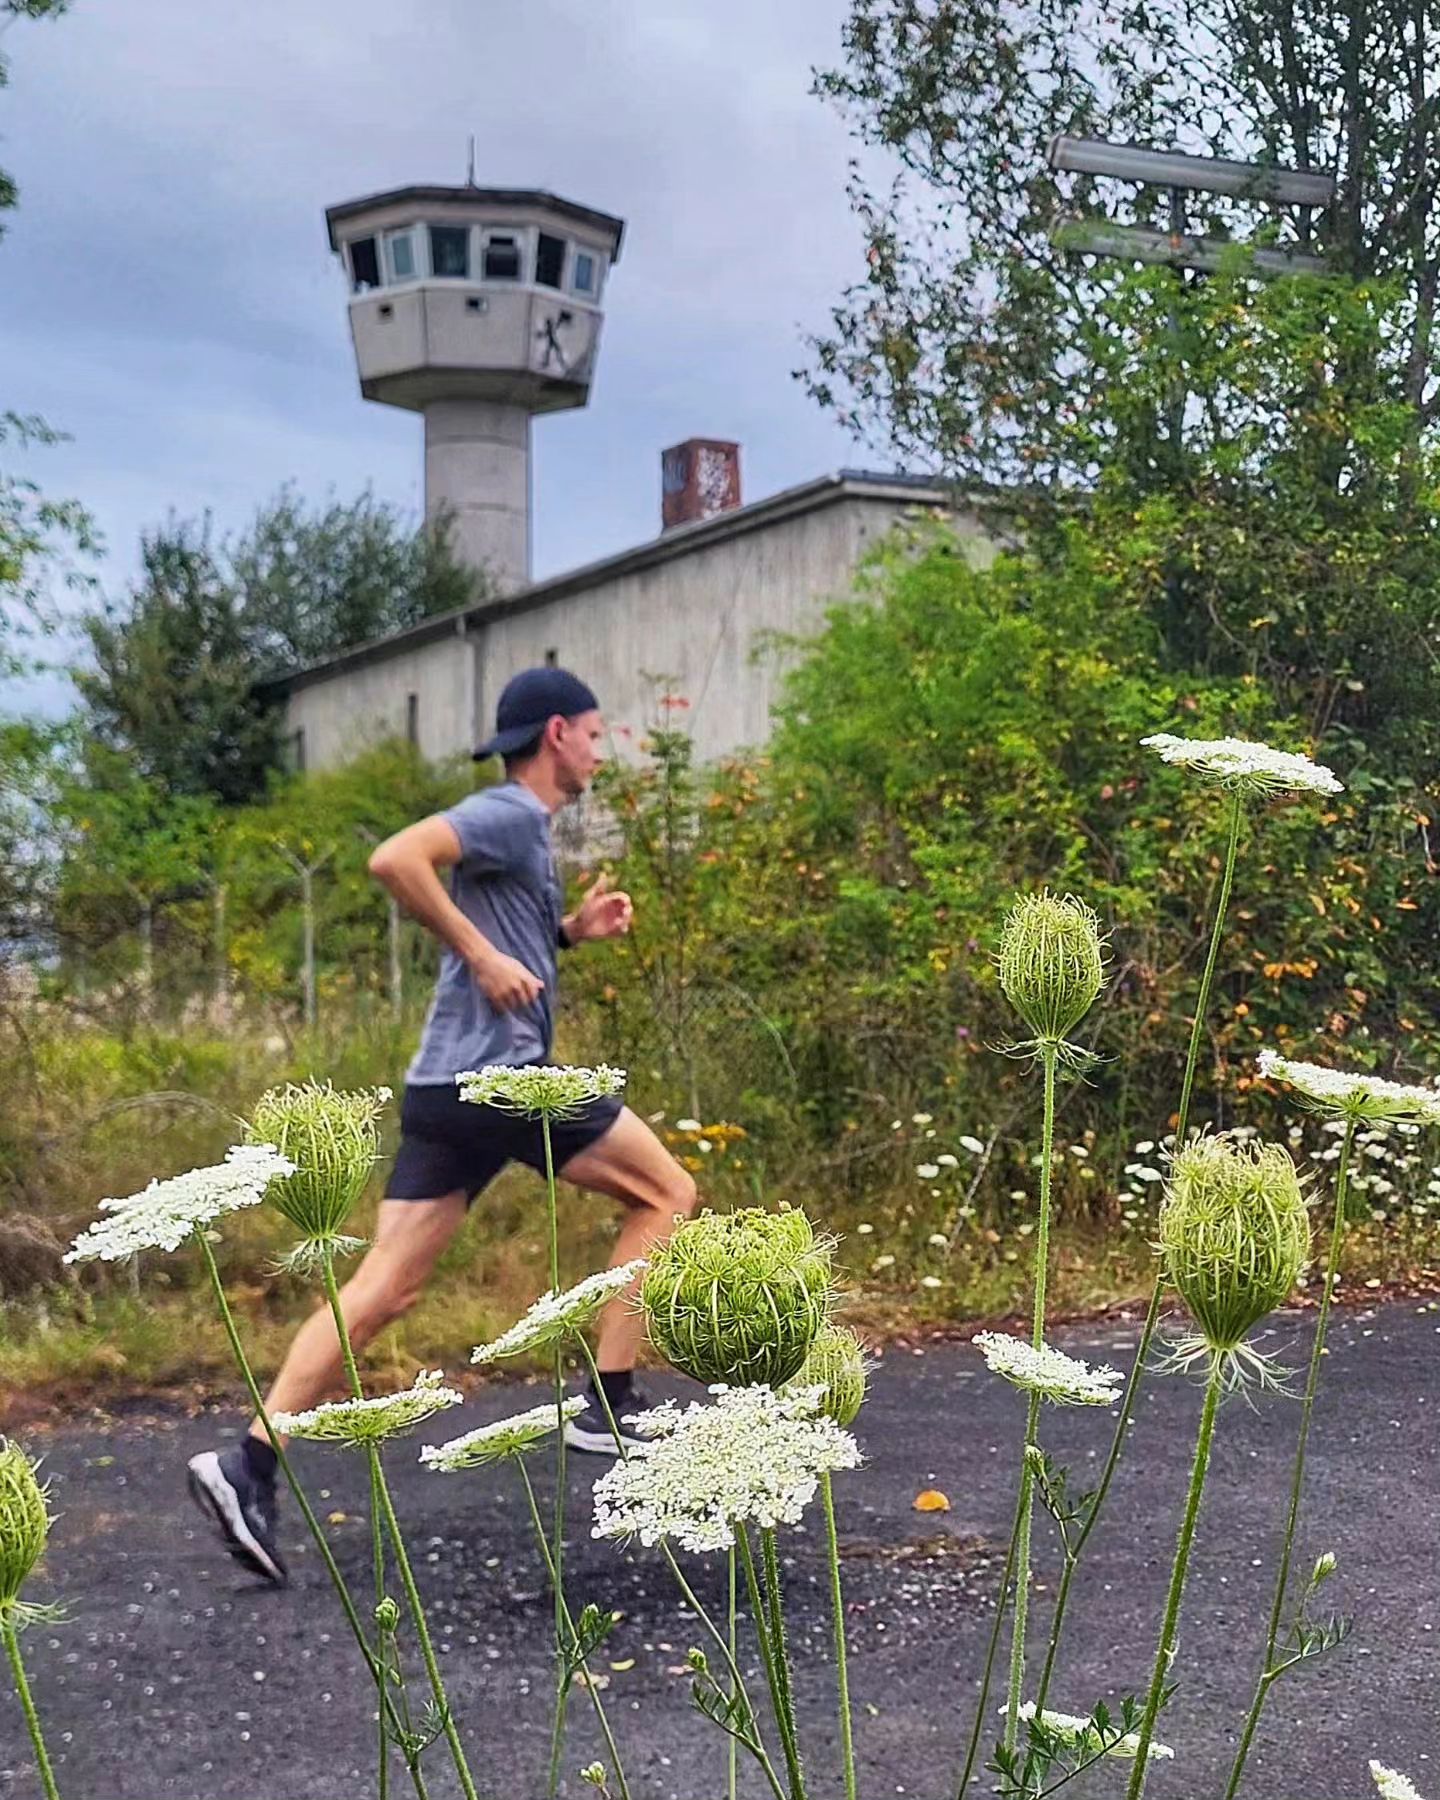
[535, 1092]
[754, 1456]
[506, 1437]
[1244, 767]
[1049, 1372]
[167, 1213]
[555, 1317]
[1392, 1784]
[1354, 1096]
[333, 1139]
[1083, 1735]
[360, 1423]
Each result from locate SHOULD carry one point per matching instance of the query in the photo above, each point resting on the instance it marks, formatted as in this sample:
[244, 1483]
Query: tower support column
[477, 473]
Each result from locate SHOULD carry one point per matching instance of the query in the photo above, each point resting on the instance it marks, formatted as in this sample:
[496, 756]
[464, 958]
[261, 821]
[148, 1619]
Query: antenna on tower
[470, 171]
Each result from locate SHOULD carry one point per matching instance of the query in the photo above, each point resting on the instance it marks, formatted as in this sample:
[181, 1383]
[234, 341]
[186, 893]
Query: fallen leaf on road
[931, 1500]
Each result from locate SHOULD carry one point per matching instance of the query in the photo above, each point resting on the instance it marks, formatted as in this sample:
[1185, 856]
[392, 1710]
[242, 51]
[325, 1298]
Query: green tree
[315, 581]
[176, 661]
[962, 340]
[173, 674]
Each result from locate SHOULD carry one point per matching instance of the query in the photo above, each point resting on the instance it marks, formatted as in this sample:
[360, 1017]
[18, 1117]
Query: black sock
[616, 1384]
[259, 1458]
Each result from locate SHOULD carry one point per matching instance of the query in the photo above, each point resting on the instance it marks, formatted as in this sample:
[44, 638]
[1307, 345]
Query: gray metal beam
[1205, 174]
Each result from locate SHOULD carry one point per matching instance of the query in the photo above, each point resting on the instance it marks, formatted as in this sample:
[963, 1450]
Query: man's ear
[554, 730]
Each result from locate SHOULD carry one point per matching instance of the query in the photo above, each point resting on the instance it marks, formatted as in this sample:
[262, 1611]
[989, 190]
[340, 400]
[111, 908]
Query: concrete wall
[349, 712]
[695, 618]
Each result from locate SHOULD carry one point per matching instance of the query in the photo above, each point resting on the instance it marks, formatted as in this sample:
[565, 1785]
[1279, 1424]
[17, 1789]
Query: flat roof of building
[534, 199]
[918, 490]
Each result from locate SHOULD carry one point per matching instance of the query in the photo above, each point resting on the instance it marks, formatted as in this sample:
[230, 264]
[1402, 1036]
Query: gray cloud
[167, 294]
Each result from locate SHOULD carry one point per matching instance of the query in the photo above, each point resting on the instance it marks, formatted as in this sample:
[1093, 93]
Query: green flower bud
[738, 1297]
[836, 1363]
[593, 1774]
[387, 1614]
[698, 1661]
[1325, 1566]
[1051, 961]
[1234, 1233]
[24, 1521]
[333, 1139]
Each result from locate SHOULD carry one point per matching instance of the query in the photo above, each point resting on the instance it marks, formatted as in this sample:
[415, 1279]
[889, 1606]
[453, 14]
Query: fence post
[306, 872]
[397, 977]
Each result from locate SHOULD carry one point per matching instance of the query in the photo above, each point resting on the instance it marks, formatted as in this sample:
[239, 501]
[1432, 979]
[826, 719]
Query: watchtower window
[400, 255]
[450, 251]
[550, 260]
[412, 718]
[364, 265]
[584, 276]
[502, 257]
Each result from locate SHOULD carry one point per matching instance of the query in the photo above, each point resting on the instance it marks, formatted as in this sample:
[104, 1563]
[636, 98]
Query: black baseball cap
[528, 702]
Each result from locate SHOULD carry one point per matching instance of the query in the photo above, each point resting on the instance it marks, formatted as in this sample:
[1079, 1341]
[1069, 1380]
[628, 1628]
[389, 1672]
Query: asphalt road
[176, 1676]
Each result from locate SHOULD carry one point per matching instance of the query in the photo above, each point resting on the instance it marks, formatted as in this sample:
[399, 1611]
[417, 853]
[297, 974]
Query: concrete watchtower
[477, 307]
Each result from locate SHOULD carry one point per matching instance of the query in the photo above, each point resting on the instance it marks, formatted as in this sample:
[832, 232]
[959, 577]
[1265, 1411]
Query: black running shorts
[447, 1143]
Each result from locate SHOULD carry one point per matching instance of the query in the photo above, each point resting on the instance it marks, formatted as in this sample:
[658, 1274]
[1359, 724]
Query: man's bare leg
[631, 1165]
[410, 1238]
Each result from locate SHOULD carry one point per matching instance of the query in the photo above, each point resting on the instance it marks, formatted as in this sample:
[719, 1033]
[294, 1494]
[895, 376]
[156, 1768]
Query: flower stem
[27, 1703]
[1001, 1607]
[837, 1608]
[594, 1692]
[733, 1755]
[1165, 1651]
[380, 1490]
[427, 1648]
[687, 1593]
[562, 1688]
[1015, 1691]
[377, 1553]
[247, 1374]
[693, 1601]
[1139, 1366]
[1268, 1670]
[784, 1719]
[771, 1554]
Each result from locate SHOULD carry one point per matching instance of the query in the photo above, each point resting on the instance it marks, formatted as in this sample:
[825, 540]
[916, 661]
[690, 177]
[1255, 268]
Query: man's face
[579, 752]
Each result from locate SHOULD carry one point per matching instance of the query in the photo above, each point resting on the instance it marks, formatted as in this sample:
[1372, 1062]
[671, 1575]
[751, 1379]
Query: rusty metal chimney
[698, 479]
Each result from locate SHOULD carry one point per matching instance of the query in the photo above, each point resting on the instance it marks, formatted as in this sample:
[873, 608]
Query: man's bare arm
[409, 865]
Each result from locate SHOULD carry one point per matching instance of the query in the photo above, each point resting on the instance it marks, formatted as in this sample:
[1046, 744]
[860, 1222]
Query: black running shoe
[227, 1491]
[590, 1430]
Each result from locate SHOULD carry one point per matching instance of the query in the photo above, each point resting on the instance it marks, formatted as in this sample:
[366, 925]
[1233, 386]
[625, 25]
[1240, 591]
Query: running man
[499, 920]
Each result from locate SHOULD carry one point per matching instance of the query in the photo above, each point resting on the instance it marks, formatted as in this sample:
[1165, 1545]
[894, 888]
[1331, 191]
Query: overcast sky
[168, 298]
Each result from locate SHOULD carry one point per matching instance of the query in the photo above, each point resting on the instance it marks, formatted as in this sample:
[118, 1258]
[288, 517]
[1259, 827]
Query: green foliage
[172, 686]
[965, 338]
[957, 733]
[221, 886]
[312, 582]
[177, 661]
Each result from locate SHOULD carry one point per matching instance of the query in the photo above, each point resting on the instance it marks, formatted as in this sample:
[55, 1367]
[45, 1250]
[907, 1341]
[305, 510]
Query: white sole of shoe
[216, 1498]
[593, 1443]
